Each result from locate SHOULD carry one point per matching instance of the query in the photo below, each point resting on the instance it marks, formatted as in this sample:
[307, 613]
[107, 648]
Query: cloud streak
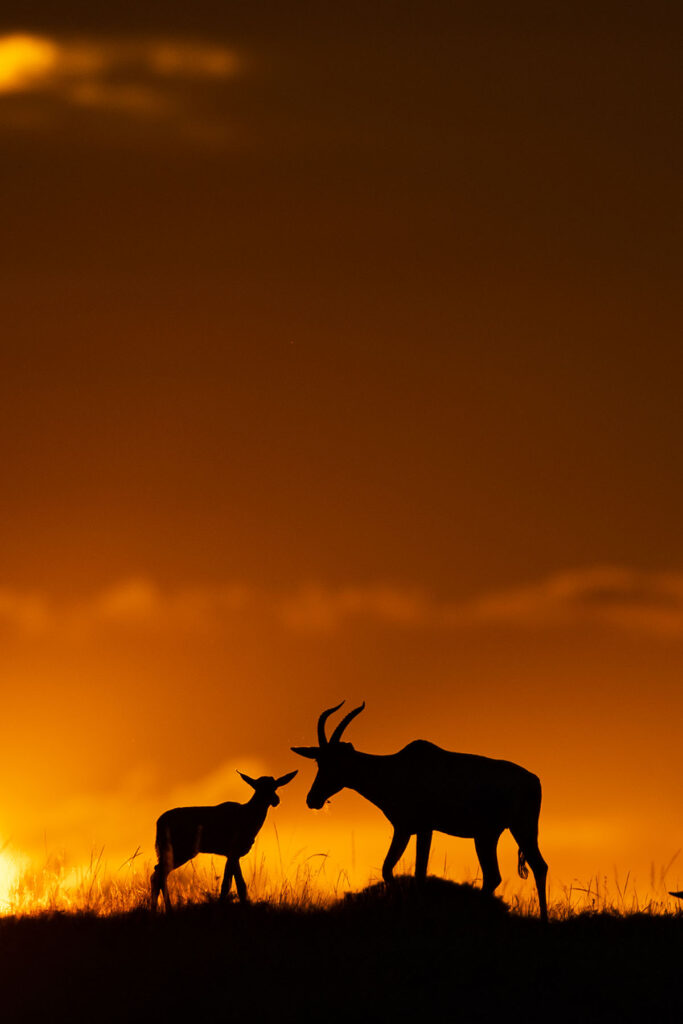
[619, 597]
[610, 597]
[143, 78]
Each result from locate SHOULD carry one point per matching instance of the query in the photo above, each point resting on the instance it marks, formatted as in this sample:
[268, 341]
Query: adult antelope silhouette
[424, 789]
[228, 829]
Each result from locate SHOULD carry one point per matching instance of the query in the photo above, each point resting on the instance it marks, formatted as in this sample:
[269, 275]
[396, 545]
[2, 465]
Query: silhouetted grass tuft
[435, 895]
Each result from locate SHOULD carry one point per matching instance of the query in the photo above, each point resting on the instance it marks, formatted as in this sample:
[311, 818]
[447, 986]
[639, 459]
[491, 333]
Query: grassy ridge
[445, 953]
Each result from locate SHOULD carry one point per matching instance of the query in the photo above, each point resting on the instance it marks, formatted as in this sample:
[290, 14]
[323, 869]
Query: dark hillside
[445, 953]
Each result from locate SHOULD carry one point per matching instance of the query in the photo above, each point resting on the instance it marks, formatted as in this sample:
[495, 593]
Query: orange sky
[341, 359]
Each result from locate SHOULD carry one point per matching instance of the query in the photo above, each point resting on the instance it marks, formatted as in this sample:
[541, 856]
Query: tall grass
[54, 886]
[303, 884]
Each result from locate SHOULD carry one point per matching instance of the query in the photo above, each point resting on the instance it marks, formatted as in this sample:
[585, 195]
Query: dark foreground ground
[441, 954]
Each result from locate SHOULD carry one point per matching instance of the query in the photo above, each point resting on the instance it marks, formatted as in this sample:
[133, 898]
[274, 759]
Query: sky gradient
[341, 359]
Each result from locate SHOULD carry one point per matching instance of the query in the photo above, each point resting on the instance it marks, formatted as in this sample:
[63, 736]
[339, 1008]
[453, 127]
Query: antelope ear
[247, 778]
[284, 779]
[311, 752]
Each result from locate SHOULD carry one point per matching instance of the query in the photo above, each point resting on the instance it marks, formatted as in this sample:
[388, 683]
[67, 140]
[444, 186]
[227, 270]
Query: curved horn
[322, 738]
[337, 734]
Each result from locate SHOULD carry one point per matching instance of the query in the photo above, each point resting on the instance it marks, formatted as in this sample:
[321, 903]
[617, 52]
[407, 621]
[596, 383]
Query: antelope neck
[366, 774]
[257, 809]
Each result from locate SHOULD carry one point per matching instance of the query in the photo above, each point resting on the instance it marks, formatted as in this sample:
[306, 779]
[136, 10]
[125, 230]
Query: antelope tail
[521, 865]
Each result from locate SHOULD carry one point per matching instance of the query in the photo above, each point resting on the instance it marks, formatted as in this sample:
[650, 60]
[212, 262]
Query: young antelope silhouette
[424, 789]
[227, 829]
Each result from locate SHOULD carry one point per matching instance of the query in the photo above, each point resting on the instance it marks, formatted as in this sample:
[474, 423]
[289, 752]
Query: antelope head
[265, 786]
[332, 757]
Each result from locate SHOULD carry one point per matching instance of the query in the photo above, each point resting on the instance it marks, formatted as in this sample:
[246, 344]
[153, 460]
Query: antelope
[423, 788]
[227, 829]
